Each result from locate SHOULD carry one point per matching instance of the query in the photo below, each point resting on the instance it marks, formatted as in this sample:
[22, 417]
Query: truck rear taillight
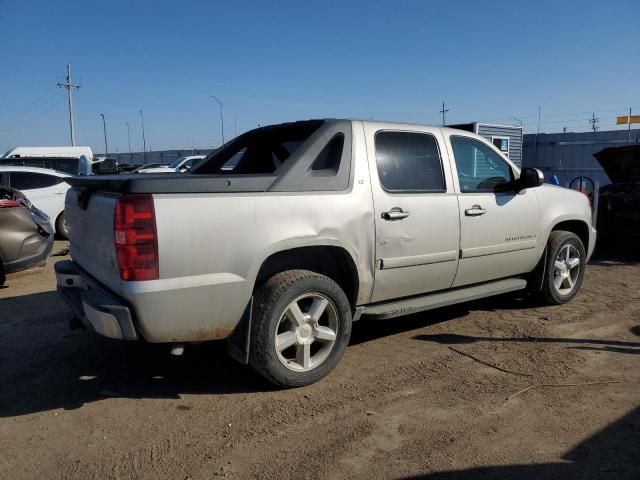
[136, 241]
[9, 204]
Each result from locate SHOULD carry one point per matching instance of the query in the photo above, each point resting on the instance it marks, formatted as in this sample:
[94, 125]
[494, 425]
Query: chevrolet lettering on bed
[285, 236]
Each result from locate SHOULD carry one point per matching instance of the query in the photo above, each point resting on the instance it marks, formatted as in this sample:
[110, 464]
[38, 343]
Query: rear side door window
[480, 169]
[409, 162]
[32, 181]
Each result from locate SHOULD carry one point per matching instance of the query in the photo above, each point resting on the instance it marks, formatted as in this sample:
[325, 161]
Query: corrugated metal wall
[513, 133]
[568, 155]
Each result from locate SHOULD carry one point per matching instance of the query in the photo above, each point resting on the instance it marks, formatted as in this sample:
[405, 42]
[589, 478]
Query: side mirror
[530, 178]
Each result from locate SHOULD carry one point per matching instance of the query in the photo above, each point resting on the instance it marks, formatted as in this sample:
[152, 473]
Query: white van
[72, 160]
[75, 152]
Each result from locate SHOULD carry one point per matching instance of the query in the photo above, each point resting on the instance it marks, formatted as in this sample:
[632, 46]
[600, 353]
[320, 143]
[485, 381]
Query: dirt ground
[407, 400]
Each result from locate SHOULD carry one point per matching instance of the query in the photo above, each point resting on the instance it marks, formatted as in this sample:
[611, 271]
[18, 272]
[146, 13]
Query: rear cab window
[260, 151]
[409, 162]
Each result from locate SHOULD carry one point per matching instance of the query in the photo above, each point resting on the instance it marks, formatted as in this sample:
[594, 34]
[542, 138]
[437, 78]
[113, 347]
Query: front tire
[61, 227]
[301, 326]
[564, 272]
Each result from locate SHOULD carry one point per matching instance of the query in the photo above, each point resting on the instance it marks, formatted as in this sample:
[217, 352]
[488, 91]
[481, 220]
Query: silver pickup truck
[280, 240]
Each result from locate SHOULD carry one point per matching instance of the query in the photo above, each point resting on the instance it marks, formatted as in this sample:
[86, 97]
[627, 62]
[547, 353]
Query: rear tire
[564, 270]
[61, 227]
[301, 326]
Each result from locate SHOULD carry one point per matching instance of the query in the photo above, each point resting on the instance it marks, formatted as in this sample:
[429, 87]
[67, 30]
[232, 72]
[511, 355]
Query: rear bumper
[42, 253]
[97, 308]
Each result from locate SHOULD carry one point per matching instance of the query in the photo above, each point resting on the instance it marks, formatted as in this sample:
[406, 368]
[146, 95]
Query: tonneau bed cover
[173, 183]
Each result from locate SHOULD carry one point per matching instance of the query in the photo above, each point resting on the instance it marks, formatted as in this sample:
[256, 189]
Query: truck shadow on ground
[45, 366]
[367, 330]
[611, 453]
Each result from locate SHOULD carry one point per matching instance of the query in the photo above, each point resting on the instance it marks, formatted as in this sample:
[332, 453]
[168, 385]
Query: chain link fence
[161, 156]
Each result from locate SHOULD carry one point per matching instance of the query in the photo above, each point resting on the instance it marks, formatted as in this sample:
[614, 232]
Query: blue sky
[285, 60]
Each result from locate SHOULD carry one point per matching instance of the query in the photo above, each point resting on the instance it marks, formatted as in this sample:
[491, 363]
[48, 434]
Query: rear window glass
[30, 181]
[329, 158]
[259, 151]
[409, 162]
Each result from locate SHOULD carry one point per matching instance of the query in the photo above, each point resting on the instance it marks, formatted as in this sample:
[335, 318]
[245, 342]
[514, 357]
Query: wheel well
[575, 226]
[333, 262]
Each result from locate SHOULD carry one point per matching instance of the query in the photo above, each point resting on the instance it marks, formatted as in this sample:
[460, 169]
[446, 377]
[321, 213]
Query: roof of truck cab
[411, 126]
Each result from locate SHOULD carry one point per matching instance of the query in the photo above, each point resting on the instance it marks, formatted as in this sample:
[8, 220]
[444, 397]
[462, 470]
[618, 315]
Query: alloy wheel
[306, 332]
[566, 269]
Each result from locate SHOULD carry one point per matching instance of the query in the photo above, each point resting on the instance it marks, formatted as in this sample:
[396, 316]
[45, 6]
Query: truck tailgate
[91, 239]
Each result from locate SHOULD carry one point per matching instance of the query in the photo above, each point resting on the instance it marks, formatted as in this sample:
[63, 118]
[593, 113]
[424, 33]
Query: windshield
[259, 151]
[176, 163]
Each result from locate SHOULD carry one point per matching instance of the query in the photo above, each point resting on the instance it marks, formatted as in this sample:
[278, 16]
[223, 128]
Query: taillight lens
[134, 226]
[9, 204]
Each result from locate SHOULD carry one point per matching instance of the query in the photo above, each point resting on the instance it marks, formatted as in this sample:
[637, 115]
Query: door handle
[395, 214]
[475, 211]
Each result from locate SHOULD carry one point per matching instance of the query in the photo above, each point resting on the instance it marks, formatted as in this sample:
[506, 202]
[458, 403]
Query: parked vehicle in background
[71, 152]
[104, 166]
[43, 187]
[71, 165]
[146, 167]
[126, 168]
[289, 233]
[26, 237]
[619, 202]
[182, 164]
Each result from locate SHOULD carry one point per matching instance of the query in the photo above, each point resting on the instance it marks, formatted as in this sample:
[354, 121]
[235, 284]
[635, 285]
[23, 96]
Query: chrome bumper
[97, 308]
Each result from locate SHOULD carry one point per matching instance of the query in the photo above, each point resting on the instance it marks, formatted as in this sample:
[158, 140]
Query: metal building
[507, 138]
[568, 155]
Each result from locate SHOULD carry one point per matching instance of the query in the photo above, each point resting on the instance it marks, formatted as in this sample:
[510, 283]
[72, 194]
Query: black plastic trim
[173, 183]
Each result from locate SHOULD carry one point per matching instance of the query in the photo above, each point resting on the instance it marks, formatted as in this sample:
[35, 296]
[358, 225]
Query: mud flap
[238, 341]
[536, 278]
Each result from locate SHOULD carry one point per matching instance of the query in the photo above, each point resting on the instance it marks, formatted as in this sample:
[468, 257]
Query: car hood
[621, 164]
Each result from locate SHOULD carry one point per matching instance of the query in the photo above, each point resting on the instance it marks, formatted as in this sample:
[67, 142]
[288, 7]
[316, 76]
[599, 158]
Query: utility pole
[68, 85]
[443, 112]
[104, 129]
[221, 115]
[535, 149]
[594, 122]
[144, 140]
[629, 138]
[129, 138]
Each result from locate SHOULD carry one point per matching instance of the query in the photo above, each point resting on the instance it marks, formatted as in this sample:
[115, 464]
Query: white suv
[45, 188]
[182, 164]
